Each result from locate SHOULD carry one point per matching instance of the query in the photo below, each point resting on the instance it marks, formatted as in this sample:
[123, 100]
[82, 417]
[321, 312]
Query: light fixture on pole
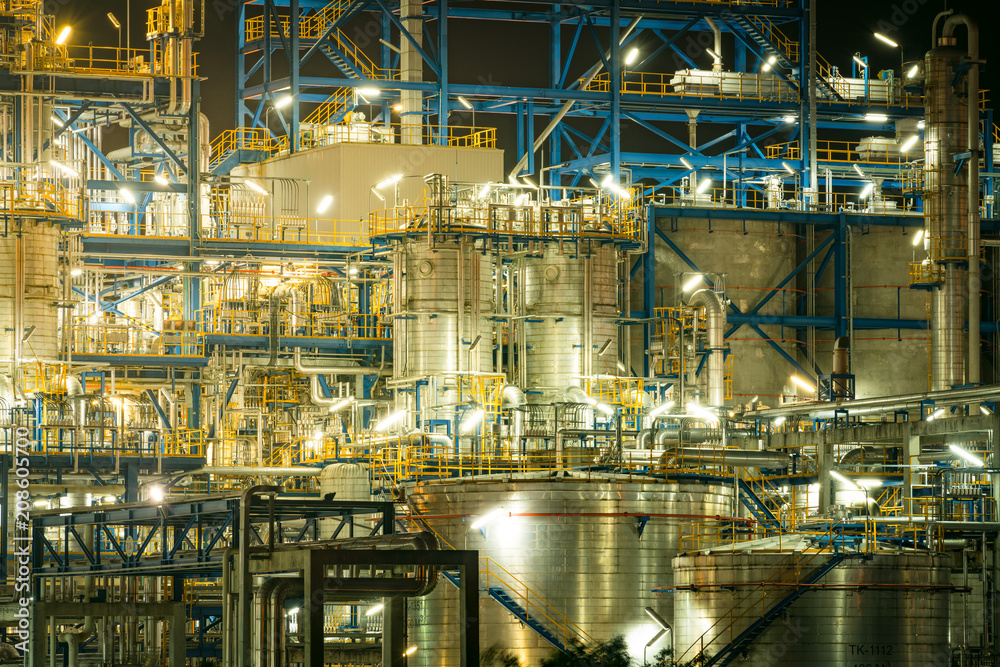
[118, 26]
[803, 384]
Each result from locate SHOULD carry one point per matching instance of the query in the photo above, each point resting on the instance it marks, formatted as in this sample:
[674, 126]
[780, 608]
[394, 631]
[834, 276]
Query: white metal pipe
[715, 316]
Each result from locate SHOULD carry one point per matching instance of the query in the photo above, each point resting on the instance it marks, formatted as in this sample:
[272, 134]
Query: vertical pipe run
[715, 316]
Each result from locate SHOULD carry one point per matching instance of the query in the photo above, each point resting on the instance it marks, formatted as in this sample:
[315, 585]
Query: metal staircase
[758, 509]
[734, 649]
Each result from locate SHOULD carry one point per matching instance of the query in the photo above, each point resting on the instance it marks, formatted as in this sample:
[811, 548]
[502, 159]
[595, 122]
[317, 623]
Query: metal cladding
[946, 211]
[585, 551]
[571, 304]
[441, 282]
[29, 267]
[886, 609]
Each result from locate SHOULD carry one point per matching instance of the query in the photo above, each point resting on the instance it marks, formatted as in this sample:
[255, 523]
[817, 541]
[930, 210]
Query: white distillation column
[946, 214]
[411, 69]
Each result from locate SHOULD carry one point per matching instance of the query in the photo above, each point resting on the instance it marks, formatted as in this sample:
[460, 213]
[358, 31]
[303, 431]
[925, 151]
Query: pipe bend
[956, 20]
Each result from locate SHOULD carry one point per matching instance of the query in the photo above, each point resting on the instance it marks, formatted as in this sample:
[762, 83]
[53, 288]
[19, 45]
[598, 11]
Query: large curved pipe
[321, 370]
[715, 315]
[717, 58]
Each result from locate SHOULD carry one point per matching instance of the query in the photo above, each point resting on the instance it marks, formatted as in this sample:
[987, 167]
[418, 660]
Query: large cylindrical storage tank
[565, 296]
[584, 547]
[886, 609]
[34, 254]
[438, 283]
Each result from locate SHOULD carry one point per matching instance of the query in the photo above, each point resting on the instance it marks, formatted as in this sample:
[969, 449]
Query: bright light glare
[391, 419]
[803, 384]
[921, 124]
[369, 92]
[392, 180]
[632, 56]
[605, 409]
[909, 143]
[341, 404]
[686, 163]
[374, 610]
[411, 650]
[971, 458]
[788, 168]
[56, 121]
[77, 271]
[692, 283]
[486, 518]
[661, 408]
[485, 191]
[779, 421]
[913, 71]
[63, 35]
[464, 102]
[162, 180]
[934, 415]
[701, 413]
[858, 169]
[283, 102]
[69, 171]
[127, 195]
[876, 117]
[918, 237]
[985, 410]
[256, 188]
[859, 61]
[704, 185]
[530, 183]
[789, 119]
[472, 420]
[869, 483]
[885, 39]
[156, 493]
[324, 204]
[843, 479]
[867, 190]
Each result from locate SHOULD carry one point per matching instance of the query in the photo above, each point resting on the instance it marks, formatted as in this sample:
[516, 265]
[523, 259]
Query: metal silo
[882, 608]
[446, 298]
[29, 268]
[571, 302]
[589, 551]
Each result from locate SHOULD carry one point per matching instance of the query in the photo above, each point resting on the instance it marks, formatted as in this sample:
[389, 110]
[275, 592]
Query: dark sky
[515, 54]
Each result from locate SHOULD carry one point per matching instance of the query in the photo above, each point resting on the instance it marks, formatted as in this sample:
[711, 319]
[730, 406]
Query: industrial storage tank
[886, 608]
[29, 266]
[588, 551]
[439, 281]
[571, 302]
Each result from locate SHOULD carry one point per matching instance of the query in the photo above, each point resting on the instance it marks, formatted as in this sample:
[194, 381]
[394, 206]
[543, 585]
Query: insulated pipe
[734, 457]
[717, 58]
[841, 347]
[594, 71]
[877, 405]
[322, 370]
[715, 316]
[972, 143]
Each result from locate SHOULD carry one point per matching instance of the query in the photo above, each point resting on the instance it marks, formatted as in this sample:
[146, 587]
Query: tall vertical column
[411, 70]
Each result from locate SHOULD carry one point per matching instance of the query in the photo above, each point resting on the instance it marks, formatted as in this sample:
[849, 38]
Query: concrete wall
[349, 170]
[755, 257]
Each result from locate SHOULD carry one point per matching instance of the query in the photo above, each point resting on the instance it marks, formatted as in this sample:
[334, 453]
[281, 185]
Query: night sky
[498, 53]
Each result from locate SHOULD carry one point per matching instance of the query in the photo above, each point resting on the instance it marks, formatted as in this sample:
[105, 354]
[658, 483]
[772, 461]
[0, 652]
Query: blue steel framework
[745, 125]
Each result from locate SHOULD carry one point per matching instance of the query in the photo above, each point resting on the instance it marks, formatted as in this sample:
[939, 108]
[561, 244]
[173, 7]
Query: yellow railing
[340, 101]
[785, 199]
[125, 340]
[315, 27]
[552, 222]
[36, 196]
[534, 605]
[184, 442]
[926, 273]
[242, 138]
[231, 320]
[392, 133]
[258, 228]
[659, 85]
[771, 32]
[839, 151]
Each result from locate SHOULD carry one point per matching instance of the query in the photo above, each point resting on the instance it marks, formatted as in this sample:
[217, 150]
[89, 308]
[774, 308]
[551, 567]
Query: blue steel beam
[138, 120]
[159, 410]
